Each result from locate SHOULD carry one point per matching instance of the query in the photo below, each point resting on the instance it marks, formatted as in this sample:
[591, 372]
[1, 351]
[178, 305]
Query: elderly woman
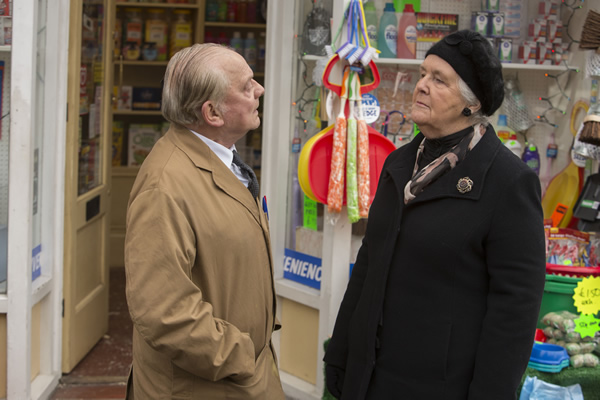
[444, 297]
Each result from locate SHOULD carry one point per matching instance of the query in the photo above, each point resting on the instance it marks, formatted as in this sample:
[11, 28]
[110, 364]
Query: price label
[587, 325]
[370, 108]
[587, 295]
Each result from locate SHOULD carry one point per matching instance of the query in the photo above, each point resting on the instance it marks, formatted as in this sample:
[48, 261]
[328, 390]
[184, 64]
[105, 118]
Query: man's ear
[211, 114]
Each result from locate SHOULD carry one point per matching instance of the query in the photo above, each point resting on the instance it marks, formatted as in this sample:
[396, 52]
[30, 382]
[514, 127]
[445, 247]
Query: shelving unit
[316, 310]
[141, 73]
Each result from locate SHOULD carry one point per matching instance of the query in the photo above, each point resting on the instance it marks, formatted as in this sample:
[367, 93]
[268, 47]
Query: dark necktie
[248, 173]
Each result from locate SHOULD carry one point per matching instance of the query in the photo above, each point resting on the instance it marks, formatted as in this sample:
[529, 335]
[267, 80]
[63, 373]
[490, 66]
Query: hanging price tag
[587, 325]
[587, 301]
[587, 295]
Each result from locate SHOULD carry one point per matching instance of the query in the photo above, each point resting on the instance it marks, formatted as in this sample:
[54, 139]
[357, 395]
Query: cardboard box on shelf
[142, 138]
[146, 98]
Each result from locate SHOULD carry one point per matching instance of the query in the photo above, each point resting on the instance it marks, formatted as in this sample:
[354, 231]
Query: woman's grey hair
[469, 97]
[193, 77]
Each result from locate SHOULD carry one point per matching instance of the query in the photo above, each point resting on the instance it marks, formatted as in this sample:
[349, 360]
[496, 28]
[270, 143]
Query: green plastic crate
[558, 296]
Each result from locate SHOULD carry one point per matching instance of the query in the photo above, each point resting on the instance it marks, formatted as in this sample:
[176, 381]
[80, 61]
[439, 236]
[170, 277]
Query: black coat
[445, 293]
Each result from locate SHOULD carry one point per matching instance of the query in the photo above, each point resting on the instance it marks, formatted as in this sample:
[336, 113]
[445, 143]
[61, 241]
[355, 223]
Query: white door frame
[22, 293]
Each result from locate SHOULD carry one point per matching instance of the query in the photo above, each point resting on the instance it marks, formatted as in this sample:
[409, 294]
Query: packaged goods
[250, 51]
[132, 34]
[480, 22]
[407, 34]
[505, 50]
[142, 138]
[156, 32]
[431, 28]
[181, 31]
[372, 23]
[568, 247]
[117, 143]
[388, 32]
[496, 24]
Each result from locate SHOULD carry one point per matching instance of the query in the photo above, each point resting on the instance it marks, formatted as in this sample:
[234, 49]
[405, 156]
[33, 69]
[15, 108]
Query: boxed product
[505, 50]
[142, 138]
[569, 247]
[544, 53]
[548, 7]
[117, 143]
[480, 22]
[537, 29]
[431, 27]
[554, 31]
[528, 52]
[497, 24]
[123, 97]
[146, 98]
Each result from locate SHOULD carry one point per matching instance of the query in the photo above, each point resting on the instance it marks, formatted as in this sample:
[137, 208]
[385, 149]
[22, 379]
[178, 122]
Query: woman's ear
[211, 115]
[475, 107]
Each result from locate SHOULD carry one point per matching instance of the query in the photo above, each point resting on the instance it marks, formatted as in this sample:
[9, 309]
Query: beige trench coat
[199, 279]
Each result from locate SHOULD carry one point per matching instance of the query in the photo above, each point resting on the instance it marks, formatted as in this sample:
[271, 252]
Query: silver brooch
[464, 185]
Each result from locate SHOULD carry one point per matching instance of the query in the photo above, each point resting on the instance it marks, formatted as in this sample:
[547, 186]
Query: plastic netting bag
[537, 389]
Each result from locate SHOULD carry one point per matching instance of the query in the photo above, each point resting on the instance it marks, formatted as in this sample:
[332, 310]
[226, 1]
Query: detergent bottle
[531, 156]
[372, 23]
[407, 33]
[514, 145]
[388, 32]
[502, 130]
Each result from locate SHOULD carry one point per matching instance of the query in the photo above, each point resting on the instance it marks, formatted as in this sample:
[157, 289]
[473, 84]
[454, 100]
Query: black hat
[474, 60]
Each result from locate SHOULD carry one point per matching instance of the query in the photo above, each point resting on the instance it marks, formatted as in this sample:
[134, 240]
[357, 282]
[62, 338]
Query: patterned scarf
[444, 163]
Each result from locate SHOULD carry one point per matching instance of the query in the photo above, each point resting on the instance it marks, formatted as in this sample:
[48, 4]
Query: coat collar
[474, 167]
[204, 158]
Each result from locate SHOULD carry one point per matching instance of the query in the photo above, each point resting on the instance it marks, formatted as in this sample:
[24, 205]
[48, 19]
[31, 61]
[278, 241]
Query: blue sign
[36, 265]
[370, 107]
[302, 268]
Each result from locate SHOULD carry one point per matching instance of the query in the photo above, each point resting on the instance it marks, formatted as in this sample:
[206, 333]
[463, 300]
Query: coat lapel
[204, 158]
[474, 167]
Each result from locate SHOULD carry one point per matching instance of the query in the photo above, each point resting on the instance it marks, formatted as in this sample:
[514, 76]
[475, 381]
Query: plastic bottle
[514, 145]
[250, 52]
[407, 33]
[237, 43]
[261, 55]
[531, 157]
[212, 10]
[502, 129]
[372, 23]
[388, 32]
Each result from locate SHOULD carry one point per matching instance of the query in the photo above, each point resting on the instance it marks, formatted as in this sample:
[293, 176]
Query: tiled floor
[102, 374]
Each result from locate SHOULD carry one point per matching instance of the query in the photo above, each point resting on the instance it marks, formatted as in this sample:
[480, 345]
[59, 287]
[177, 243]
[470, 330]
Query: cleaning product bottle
[237, 43]
[250, 51]
[502, 130]
[407, 33]
[531, 157]
[372, 22]
[514, 145]
[388, 32]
